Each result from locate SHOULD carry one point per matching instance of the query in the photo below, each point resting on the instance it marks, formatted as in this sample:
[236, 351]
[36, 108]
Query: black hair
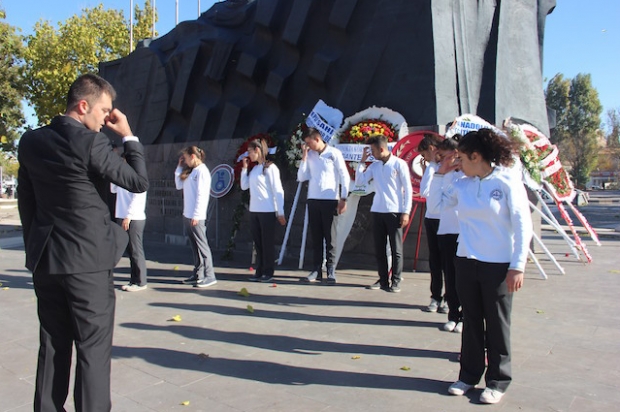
[89, 87]
[428, 141]
[491, 146]
[311, 132]
[379, 140]
[450, 143]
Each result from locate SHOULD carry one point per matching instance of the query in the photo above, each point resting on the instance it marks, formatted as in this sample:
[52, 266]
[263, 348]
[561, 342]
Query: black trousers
[262, 226]
[448, 245]
[487, 306]
[322, 220]
[434, 258]
[74, 309]
[387, 226]
[135, 249]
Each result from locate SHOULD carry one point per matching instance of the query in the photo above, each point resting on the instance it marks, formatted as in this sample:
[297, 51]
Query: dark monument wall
[254, 66]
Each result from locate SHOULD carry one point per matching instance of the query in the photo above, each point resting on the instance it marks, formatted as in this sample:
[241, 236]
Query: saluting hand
[117, 122]
[365, 154]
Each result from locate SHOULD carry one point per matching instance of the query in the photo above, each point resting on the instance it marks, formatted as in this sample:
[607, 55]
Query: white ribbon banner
[352, 152]
[314, 120]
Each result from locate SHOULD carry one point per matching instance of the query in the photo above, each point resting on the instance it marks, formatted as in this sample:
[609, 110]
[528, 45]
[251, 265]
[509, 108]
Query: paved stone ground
[320, 348]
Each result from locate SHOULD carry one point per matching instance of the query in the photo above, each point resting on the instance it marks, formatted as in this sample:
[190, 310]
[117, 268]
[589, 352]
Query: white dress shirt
[266, 192]
[425, 187]
[196, 191]
[325, 172]
[494, 216]
[392, 182]
[129, 205]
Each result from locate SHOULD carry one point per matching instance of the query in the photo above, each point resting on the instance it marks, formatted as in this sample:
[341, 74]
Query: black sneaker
[255, 278]
[190, 280]
[374, 286]
[331, 275]
[266, 278]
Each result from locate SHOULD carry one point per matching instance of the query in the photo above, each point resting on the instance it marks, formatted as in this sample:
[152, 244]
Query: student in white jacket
[324, 168]
[130, 214]
[447, 237]
[193, 177]
[390, 208]
[428, 149]
[495, 232]
[266, 205]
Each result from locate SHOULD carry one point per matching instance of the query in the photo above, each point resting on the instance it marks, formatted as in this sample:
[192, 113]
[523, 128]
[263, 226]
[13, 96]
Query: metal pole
[176, 14]
[198, 8]
[130, 26]
[153, 35]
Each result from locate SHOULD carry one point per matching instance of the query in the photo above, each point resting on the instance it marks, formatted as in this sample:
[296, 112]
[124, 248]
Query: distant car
[581, 198]
[596, 187]
[547, 198]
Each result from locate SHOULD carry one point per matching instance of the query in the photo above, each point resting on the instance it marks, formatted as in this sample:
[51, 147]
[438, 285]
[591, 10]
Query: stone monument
[256, 66]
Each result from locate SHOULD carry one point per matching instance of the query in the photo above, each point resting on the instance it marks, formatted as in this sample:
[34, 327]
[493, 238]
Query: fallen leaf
[175, 318]
[405, 368]
[5, 288]
[175, 268]
[614, 271]
[250, 309]
[243, 292]
[185, 403]
[273, 285]
[355, 357]
[540, 311]
[203, 356]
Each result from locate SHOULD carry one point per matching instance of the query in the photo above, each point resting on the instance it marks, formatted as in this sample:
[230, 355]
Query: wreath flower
[359, 132]
[540, 158]
[293, 145]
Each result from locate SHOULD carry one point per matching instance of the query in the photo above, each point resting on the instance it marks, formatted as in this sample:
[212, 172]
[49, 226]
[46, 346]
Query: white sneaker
[205, 283]
[458, 328]
[459, 388]
[443, 308]
[124, 287]
[134, 288]
[433, 306]
[449, 326]
[491, 396]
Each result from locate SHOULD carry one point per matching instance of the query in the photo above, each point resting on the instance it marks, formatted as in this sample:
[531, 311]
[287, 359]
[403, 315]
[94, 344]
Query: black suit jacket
[65, 172]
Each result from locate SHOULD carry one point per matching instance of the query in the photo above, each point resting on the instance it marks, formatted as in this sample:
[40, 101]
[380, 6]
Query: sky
[580, 36]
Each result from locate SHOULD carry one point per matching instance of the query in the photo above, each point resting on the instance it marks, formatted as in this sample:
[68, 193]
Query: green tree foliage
[556, 96]
[578, 123]
[9, 165]
[11, 89]
[56, 57]
[613, 126]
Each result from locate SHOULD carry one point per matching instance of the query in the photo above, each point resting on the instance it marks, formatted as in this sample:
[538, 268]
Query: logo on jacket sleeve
[497, 194]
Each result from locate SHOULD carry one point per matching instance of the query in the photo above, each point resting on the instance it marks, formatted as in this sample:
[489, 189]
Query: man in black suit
[65, 170]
